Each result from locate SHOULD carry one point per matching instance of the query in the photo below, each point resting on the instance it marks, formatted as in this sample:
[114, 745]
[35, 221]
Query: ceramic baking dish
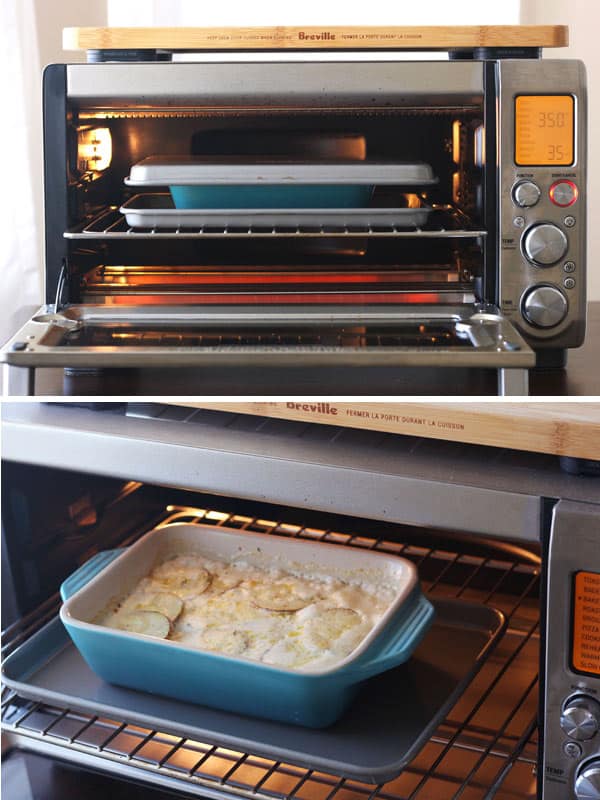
[314, 698]
[241, 182]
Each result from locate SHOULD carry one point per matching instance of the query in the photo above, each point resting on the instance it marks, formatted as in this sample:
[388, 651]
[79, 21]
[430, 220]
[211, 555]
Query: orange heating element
[586, 623]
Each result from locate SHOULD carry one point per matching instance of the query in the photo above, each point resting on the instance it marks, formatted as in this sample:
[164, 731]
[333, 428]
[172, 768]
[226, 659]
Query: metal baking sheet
[219, 170]
[392, 717]
[157, 211]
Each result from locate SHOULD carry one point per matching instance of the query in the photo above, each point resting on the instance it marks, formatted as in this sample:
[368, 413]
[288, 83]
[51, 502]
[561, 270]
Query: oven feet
[18, 381]
[513, 382]
[551, 359]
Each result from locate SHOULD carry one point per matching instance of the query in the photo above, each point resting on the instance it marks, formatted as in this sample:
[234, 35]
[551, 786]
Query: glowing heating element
[586, 623]
[544, 130]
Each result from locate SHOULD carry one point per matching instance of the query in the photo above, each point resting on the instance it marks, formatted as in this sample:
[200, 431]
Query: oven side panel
[556, 232]
[55, 174]
[570, 744]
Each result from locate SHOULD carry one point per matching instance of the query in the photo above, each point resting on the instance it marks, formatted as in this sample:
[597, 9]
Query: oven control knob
[544, 244]
[587, 782]
[526, 194]
[544, 306]
[580, 718]
[563, 193]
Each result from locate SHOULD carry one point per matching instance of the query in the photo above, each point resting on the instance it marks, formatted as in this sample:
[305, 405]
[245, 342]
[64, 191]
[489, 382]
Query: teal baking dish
[237, 182]
[309, 698]
[271, 196]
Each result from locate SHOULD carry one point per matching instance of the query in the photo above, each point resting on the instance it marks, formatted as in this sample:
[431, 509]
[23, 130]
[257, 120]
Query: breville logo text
[317, 37]
[316, 408]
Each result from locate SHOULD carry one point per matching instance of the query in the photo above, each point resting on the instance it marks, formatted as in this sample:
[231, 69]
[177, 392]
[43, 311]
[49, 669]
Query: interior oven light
[94, 149]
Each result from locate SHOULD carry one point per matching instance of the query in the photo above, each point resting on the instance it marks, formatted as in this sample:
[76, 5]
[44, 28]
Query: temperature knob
[544, 306]
[563, 193]
[587, 783]
[544, 244]
[526, 194]
[580, 718]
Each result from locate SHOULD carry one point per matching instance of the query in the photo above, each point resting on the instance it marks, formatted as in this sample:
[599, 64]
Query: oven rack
[486, 747]
[109, 223]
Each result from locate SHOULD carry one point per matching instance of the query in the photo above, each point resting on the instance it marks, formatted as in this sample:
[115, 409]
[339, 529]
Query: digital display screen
[544, 130]
[586, 623]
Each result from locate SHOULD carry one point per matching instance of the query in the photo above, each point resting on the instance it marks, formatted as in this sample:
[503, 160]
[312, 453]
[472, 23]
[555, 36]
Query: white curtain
[20, 165]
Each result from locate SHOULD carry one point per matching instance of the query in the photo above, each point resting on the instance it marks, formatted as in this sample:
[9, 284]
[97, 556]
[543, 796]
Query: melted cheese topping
[282, 618]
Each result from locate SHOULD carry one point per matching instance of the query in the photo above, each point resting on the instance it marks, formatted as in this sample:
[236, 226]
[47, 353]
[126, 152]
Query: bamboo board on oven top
[438, 37]
[564, 429]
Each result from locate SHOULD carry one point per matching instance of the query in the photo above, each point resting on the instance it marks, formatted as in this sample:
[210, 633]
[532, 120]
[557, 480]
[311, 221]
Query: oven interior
[438, 260]
[53, 520]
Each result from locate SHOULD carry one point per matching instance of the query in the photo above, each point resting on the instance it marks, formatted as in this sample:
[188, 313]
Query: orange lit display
[586, 623]
[544, 130]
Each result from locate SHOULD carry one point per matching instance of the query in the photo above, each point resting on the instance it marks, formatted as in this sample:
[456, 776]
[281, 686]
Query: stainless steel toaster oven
[501, 700]
[473, 256]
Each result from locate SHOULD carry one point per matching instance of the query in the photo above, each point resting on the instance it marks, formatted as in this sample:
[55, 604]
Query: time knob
[587, 783]
[544, 244]
[580, 718]
[544, 306]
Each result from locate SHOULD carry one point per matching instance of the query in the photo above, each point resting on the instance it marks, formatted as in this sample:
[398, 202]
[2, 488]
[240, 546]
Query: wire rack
[485, 748]
[111, 224]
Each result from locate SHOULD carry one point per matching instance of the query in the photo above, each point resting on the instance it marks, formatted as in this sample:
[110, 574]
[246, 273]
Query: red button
[563, 193]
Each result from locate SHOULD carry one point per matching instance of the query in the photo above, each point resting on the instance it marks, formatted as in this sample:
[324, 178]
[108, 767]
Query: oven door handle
[395, 645]
[84, 574]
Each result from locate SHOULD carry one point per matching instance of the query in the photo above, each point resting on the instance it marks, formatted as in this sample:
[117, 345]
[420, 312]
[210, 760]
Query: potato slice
[189, 581]
[165, 603]
[328, 626]
[222, 640]
[150, 623]
[281, 597]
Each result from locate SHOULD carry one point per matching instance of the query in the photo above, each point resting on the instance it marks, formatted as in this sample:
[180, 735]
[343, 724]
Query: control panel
[571, 758]
[543, 200]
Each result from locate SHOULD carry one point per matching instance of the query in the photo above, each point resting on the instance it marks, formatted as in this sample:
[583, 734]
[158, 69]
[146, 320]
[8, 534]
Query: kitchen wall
[583, 19]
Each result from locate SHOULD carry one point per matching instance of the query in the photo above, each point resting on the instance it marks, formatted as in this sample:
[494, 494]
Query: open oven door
[268, 337]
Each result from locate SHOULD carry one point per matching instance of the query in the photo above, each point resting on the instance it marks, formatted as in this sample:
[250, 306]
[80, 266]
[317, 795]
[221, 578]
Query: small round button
[572, 749]
[569, 283]
[569, 266]
[563, 193]
[526, 194]
[569, 221]
[519, 222]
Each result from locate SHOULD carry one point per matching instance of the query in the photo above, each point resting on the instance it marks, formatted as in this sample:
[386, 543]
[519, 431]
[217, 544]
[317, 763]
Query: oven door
[104, 336]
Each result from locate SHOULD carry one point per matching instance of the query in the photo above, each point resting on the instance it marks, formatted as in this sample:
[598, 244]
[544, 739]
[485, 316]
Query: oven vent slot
[485, 748]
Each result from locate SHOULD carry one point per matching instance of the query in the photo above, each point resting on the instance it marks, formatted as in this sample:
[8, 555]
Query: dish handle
[87, 571]
[398, 645]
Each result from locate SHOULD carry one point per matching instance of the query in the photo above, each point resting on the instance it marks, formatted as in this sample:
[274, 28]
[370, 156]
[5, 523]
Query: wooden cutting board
[440, 37]
[564, 429]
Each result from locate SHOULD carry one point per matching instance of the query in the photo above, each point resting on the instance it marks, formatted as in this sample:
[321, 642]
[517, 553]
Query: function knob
[544, 306]
[587, 783]
[544, 244]
[526, 194]
[580, 718]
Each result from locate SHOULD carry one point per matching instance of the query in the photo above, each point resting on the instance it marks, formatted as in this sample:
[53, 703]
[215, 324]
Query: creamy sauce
[287, 619]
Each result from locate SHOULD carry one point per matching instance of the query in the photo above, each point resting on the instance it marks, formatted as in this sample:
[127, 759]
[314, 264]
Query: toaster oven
[501, 700]
[473, 256]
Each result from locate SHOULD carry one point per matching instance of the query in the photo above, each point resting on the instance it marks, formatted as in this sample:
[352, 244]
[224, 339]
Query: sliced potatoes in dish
[280, 596]
[171, 605]
[150, 623]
